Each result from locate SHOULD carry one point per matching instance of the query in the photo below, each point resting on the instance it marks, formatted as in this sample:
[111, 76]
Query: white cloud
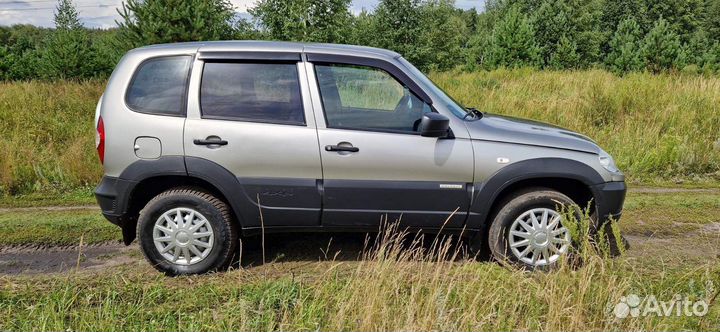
[103, 13]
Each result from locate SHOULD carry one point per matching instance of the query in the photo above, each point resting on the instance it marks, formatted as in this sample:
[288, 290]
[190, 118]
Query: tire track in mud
[47, 259]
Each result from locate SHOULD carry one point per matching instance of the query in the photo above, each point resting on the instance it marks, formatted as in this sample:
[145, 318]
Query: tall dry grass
[658, 127]
[47, 136]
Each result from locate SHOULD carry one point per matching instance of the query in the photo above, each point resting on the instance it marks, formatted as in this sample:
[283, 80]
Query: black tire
[512, 208]
[213, 209]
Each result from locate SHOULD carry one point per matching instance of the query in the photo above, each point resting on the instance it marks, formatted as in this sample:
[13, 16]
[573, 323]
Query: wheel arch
[570, 177]
[150, 178]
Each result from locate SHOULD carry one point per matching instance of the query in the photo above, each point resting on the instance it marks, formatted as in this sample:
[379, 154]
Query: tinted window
[366, 98]
[252, 92]
[159, 86]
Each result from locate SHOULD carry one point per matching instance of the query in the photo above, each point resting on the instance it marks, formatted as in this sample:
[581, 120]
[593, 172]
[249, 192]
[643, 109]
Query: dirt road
[311, 248]
[700, 244]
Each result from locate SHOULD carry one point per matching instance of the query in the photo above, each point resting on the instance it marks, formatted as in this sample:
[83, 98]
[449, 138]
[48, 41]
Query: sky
[102, 13]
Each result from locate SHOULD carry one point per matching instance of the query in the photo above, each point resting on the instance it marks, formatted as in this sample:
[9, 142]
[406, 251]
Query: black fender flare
[147, 168]
[487, 192]
[191, 167]
[222, 179]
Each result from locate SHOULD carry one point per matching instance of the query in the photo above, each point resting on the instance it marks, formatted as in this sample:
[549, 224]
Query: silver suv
[202, 142]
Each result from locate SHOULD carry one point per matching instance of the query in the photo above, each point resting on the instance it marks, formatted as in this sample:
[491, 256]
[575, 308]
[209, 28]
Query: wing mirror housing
[434, 125]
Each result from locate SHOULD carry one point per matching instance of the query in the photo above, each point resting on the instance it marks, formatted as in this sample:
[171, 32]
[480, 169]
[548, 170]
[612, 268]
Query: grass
[79, 196]
[392, 286]
[42, 227]
[670, 214]
[47, 136]
[662, 129]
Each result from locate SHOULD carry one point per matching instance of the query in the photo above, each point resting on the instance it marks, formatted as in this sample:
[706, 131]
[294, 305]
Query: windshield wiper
[474, 112]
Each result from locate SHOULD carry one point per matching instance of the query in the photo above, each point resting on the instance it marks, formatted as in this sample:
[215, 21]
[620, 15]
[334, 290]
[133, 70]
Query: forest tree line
[618, 35]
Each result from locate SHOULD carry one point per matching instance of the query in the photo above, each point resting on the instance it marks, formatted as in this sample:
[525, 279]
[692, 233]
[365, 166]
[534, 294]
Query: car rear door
[249, 113]
[375, 162]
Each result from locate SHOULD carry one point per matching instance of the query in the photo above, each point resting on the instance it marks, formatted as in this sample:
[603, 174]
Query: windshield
[448, 101]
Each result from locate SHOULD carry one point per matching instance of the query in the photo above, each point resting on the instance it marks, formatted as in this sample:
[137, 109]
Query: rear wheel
[187, 231]
[528, 229]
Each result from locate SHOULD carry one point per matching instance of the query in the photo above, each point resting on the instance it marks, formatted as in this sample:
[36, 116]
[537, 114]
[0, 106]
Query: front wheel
[528, 229]
[187, 231]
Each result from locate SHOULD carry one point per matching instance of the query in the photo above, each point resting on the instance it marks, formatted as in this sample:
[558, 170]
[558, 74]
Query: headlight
[607, 161]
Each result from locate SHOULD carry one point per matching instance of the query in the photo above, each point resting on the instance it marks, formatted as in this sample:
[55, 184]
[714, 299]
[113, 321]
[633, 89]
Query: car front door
[248, 116]
[375, 162]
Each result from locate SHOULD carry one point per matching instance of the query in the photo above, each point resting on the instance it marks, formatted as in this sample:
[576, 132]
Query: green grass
[73, 197]
[662, 129]
[42, 227]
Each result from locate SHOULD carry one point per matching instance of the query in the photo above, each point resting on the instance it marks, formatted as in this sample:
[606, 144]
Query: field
[62, 266]
[662, 129]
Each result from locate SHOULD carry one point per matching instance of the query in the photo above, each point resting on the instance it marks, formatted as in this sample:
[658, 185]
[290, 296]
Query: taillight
[100, 140]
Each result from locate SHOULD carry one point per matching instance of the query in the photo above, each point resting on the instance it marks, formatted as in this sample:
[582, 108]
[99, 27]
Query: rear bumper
[113, 194]
[609, 200]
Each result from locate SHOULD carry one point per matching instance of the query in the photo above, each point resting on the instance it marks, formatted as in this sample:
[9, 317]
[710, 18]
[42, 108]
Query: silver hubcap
[183, 236]
[538, 238]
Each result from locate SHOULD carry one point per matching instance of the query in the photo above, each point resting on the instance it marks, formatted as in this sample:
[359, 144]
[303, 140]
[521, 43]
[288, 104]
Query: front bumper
[609, 199]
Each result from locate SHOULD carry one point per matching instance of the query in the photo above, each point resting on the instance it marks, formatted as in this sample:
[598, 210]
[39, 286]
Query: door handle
[341, 148]
[210, 141]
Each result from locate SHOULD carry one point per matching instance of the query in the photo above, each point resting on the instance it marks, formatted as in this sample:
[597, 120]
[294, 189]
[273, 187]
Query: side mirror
[434, 125]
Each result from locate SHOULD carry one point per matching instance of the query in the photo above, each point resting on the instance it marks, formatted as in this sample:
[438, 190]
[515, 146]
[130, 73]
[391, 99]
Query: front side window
[159, 86]
[367, 98]
[254, 92]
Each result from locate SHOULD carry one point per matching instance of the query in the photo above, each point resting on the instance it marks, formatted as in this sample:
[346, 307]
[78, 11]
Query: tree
[107, 50]
[551, 22]
[167, 21]
[711, 59]
[361, 28]
[443, 36]
[693, 52]
[4, 63]
[22, 58]
[625, 48]
[397, 26]
[565, 55]
[711, 19]
[66, 16]
[683, 16]
[307, 20]
[245, 29]
[617, 11]
[661, 47]
[68, 51]
[513, 42]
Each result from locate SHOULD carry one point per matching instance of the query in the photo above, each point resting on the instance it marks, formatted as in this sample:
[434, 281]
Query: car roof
[268, 46]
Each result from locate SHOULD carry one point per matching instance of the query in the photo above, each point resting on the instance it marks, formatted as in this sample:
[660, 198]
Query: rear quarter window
[159, 86]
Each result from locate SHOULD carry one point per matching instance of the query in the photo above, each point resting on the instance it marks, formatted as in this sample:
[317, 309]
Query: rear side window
[159, 86]
[254, 92]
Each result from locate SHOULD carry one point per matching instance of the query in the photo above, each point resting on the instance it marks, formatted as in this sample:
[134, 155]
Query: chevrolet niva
[202, 142]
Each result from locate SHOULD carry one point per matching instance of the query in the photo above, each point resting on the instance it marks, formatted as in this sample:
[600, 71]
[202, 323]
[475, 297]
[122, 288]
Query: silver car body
[284, 170]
